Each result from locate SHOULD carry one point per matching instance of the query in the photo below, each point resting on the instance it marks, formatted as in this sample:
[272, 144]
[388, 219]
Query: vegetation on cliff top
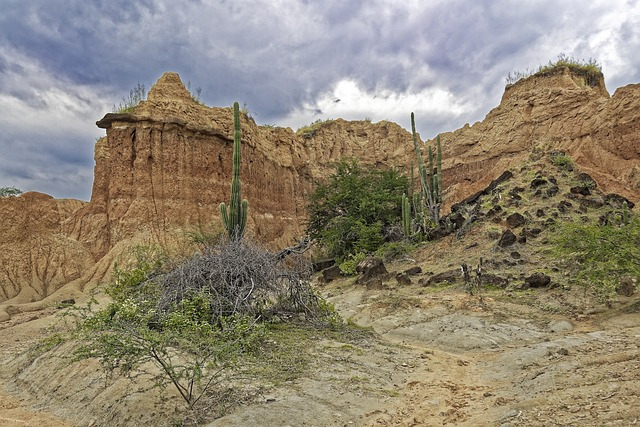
[589, 69]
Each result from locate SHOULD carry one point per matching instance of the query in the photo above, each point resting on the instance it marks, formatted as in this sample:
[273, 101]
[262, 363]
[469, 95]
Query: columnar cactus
[406, 215]
[431, 181]
[235, 218]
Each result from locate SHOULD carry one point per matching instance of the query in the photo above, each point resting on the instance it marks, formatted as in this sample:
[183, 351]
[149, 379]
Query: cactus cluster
[430, 195]
[234, 219]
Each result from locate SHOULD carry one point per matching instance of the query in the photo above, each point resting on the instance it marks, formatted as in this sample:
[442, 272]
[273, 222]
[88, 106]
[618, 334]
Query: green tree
[350, 212]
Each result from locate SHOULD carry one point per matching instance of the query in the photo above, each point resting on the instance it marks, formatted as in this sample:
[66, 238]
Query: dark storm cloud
[76, 58]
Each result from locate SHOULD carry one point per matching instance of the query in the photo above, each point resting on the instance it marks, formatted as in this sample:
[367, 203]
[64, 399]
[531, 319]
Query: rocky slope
[164, 167]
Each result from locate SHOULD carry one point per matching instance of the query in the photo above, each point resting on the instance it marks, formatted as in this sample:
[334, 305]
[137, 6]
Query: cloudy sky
[65, 63]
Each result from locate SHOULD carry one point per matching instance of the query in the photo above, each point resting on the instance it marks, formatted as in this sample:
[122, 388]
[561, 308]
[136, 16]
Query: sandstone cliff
[164, 167]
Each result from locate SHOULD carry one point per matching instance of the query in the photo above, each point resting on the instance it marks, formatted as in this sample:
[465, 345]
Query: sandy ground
[441, 358]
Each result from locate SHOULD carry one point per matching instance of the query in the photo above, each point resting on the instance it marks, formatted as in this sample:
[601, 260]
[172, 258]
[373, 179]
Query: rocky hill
[164, 167]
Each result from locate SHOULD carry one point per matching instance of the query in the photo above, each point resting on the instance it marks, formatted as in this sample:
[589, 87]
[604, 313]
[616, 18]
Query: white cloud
[349, 101]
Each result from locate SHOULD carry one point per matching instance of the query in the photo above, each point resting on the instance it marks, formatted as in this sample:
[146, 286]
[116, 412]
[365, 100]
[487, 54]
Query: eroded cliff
[164, 167]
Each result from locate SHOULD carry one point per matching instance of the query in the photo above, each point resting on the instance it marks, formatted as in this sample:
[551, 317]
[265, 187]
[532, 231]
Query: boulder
[507, 239]
[331, 273]
[516, 220]
[372, 271]
[450, 276]
[537, 280]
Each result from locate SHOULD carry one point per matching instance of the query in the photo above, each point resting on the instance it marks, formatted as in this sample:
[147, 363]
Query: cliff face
[553, 112]
[166, 166]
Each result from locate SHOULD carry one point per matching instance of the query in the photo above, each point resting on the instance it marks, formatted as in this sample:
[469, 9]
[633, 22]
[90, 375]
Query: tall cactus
[235, 218]
[406, 215]
[431, 181]
[625, 213]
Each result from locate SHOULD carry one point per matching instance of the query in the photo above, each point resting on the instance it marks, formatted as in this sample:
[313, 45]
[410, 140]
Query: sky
[66, 63]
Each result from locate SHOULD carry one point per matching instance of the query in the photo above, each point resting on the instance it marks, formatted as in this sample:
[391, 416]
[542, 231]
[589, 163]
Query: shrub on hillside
[599, 256]
[350, 212]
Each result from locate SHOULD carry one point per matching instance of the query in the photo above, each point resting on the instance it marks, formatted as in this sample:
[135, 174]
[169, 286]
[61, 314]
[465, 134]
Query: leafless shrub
[238, 277]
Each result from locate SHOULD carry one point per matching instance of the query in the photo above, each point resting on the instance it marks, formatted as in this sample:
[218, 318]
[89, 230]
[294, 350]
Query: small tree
[350, 212]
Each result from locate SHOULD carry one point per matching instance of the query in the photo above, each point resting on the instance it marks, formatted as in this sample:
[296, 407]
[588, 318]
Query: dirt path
[443, 358]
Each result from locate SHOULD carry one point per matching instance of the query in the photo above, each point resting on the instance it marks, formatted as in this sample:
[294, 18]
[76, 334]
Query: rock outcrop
[164, 167]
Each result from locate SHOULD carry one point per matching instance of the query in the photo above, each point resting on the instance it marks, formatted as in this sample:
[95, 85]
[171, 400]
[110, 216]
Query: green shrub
[313, 126]
[598, 256]
[394, 250]
[563, 161]
[196, 322]
[349, 213]
[9, 191]
[348, 266]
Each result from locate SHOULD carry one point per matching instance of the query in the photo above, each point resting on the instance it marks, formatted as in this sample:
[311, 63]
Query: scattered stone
[403, 279]
[69, 301]
[586, 179]
[537, 182]
[438, 233]
[323, 264]
[522, 238]
[534, 232]
[553, 180]
[591, 203]
[515, 255]
[580, 189]
[564, 206]
[540, 213]
[627, 286]
[560, 326]
[563, 352]
[506, 175]
[552, 191]
[507, 239]
[493, 234]
[516, 220]
[537, 280]
[413, 271]
[450, 276]
[616, 201]
[492, 279]
[372, 270]
[331, 273]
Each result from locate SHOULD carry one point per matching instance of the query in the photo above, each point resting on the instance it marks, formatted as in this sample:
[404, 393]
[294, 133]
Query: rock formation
[165, 166]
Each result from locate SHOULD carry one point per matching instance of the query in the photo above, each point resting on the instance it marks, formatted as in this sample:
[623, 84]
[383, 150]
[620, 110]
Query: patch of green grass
[136, 95]
[313, 126]
[563, 161]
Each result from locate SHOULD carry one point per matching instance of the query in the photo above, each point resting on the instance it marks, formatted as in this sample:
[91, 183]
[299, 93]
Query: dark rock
[522, 238]
[323, 264]
[393, 233]
[516, 190]
[564, 206]
[515, 255]
[537, 280]
[591, 203]
[331, 273]
[553, 180]
[587, 180]
[372, 270]
[496, 219]
[537, 182]
[540, 213]
[516, 220]
[515, 196]
[616, 201]
[507, 239]
[492, 279]
[627, 286]
[438, 233]
[552, 191]
[450, 276]
[580, 189]
[534, 232]
[66, 303]
[506, 175]
[413, 271]
[403, 279]
[456, 219]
